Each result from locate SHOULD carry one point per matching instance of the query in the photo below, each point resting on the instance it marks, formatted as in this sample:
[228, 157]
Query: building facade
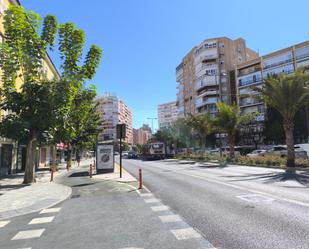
[114, 111]
[142, 135]
[203, 75]
[12, 155]
[251, 74]
[167, 114]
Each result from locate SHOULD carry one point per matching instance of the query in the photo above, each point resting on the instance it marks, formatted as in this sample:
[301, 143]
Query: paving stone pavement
[19, 199]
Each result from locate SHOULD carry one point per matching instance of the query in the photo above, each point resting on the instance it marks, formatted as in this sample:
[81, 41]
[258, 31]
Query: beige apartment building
[203, 75]
[167, 114]
[142, 135]
[251, 74]
[114, 111]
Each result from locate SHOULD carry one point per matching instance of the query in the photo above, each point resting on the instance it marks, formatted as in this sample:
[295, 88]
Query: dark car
[132, 155]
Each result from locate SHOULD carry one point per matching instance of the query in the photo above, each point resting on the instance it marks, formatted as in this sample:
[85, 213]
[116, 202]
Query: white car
[256, 153]
[281, 150]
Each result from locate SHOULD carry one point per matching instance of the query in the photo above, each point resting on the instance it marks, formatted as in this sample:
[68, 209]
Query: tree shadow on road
[302, 179]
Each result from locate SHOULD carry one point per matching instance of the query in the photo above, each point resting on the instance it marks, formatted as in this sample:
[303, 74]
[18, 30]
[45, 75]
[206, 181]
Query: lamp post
[152, 119]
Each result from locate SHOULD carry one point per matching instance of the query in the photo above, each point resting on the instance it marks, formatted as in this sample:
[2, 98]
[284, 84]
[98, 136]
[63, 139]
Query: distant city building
[114, 111]
[167, 114]
[203, 74]
[142, 135]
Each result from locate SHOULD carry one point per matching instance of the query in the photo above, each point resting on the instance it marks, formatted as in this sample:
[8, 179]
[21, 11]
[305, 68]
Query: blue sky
[144, 40]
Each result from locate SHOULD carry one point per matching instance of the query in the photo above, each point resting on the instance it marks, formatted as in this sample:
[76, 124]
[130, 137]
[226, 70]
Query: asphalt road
[233, 207]
[101, 214]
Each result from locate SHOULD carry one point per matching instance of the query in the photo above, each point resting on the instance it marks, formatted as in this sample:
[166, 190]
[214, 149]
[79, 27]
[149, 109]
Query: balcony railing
[277, 63]
[249, 82]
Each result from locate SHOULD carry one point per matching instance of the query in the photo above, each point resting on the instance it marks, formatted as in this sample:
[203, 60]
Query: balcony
[206, 81]
[249, 102]
[200, 101]
[249, 83]
[208, 93]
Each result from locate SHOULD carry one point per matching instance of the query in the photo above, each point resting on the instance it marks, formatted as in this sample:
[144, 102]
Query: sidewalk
[19, 199]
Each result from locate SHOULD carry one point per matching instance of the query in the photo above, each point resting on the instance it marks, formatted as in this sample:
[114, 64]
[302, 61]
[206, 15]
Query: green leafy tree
[71, 46]
[21, 56]
[287, 94]
[229, 120]
[85, 119]
[201, 124]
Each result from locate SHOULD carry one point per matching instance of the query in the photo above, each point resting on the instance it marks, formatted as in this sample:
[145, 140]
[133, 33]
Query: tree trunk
[232, 145]
[69, 156]
[29, 176]
[288, 129]
[54, 155]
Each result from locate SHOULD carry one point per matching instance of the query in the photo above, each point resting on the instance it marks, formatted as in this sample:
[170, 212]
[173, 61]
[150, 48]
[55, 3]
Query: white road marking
[25, 248]
[151, 200]
[159, 208]
[211, 179]
[146, 195]
[131, 248]
[41, 220]
[3, 223]
[29, 234]
[254, 198]
[170, 218]
[50, 210]
[186, 233]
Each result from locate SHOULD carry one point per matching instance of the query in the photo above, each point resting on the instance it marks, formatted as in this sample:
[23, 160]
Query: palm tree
[287, 94]
[229, 120]
[202, 125]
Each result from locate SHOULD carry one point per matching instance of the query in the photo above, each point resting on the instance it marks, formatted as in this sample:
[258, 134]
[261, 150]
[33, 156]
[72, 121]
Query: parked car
[116, 153]
[132, 155]
[281, 150]
[125, 154]
[225, 151]
[256, 153]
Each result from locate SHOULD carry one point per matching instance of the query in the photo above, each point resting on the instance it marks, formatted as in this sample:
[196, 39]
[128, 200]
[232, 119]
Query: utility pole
[152, 119]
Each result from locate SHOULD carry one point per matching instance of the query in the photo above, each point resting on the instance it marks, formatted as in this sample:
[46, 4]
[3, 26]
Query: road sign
[121, 131]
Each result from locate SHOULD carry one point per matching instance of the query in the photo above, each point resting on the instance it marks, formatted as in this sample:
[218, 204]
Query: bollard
[93, 162]
[90, 170]
[140, 179]
[51, 174]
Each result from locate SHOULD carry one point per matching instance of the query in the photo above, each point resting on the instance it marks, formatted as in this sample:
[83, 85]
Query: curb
[68, 194]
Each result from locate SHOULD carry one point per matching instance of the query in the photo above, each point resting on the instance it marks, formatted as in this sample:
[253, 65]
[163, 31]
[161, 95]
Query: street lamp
[152, 119]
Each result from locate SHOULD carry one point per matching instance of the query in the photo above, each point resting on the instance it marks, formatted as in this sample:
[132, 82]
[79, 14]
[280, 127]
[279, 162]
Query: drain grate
[75, 196]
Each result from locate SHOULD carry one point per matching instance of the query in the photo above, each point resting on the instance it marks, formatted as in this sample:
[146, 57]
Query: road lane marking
[186, 233]
[152, 200]
[146, 195]
[159, 208]
[254, 198]
[50, 210]
[3, 223]
[211, 179]
[28, 234]
[170, 218]
[41, 220]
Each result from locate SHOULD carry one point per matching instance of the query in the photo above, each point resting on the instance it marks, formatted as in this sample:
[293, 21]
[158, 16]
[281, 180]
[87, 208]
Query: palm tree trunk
[288, 129]
[29, 176]
[232, 145]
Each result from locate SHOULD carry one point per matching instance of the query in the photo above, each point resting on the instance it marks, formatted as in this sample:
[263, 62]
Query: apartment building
[252, 73]
[203, 75]
[12, 156]
[142, 135]
[167, 114]
[114, 111]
